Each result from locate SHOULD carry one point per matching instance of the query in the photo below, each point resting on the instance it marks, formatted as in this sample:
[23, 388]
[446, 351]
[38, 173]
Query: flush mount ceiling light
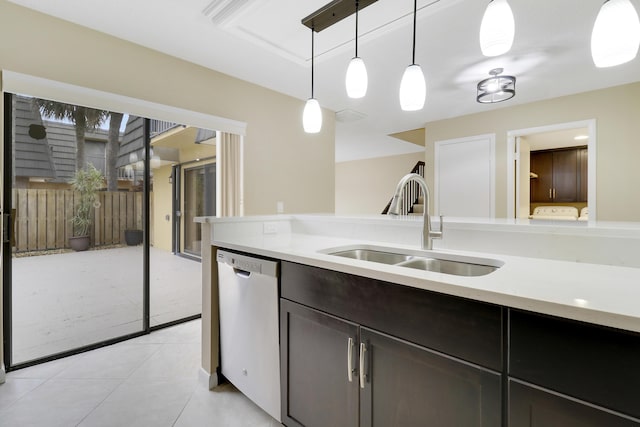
[496, 88]
[497, 28]
[413, 88]
[357, 79]
[312, 114]
[616, 34]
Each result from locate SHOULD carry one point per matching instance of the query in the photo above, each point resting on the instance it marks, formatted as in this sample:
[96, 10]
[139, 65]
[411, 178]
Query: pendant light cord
[415, 9]
[312, 55]
[357, 4]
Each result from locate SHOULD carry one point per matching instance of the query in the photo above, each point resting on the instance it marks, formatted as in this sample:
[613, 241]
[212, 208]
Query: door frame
[513, 162]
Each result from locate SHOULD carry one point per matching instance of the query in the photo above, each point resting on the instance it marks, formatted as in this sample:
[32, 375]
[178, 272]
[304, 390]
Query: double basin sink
[457, 265]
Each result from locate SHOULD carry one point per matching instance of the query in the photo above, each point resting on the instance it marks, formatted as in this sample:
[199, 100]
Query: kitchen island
[567, 281]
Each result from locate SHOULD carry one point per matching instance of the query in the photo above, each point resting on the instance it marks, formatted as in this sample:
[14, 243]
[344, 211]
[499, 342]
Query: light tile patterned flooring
[147, 381]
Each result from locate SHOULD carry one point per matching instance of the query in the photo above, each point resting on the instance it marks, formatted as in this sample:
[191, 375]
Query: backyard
[71, 299]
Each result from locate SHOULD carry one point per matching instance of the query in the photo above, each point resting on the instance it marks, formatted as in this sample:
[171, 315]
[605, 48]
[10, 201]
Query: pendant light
[497, 28]
[616, 34]
[356, 80]
[312, 114]
[413, 89]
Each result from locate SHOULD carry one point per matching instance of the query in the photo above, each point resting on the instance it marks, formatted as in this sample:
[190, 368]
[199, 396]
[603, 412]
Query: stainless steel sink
[456, 268]
[374, 256]
[457, 265]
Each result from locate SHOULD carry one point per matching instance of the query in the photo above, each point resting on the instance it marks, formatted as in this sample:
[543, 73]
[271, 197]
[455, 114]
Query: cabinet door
[533, 407]
[565, 176]
[583, 184]
[408, 385]
[541, 188]
[314, 348]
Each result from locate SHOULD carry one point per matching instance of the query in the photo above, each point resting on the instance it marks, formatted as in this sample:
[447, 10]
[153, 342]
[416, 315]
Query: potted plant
[86, 182]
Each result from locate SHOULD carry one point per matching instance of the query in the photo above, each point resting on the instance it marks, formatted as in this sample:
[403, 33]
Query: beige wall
[366, 186]
[282, 163]
[162, 207]
[617, 114]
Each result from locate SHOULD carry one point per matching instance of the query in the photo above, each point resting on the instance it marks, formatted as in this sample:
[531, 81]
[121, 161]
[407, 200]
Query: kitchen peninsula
[552, 334]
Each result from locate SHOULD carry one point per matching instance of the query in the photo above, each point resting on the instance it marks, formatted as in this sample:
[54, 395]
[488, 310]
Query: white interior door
[465, 177]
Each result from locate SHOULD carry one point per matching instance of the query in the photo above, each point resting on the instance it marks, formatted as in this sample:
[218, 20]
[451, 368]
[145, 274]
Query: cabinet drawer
[469, 330]
[533, 407]
[594, 363]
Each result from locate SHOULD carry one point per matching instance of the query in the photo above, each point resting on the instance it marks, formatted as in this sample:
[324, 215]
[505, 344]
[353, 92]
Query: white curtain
[229, 176]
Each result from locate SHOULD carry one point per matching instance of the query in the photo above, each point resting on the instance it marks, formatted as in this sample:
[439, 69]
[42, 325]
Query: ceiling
[264, 42]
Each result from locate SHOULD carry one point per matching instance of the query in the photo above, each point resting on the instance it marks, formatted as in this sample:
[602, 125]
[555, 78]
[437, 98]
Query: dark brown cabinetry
[342, 372]
[534, 407]
[578, 363]
[561, 176]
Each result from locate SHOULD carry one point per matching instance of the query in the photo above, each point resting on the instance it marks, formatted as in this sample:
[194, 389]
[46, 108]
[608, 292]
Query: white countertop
[597, 293]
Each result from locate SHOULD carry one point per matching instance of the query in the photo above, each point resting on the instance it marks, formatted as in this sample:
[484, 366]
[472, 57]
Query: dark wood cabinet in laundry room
[560, 175]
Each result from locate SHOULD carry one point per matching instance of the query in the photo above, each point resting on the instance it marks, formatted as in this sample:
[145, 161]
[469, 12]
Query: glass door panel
[175, 275]
[76, 190]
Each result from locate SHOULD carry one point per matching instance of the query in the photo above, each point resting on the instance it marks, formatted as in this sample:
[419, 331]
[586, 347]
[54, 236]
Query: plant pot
[79, 243]
[133, 237]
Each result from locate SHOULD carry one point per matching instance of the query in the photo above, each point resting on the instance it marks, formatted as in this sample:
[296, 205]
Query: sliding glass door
[73, 192]
[92, 254]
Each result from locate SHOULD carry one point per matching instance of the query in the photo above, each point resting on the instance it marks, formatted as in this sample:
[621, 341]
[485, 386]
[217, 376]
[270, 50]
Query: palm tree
[84, 119]
[113, 147]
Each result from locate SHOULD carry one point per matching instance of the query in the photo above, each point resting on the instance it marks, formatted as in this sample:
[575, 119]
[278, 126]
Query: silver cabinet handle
[350, 346]
[363, 350]
[550, 196]
[554, 193]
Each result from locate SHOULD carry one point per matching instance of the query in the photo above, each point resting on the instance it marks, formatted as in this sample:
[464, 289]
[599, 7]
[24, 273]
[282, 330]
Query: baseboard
[207, 380]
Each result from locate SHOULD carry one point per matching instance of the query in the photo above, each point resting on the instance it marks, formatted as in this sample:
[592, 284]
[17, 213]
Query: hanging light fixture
[496, 88]
[413, 88]
[312, 114]
[616, 34]
[497, 28]
[356, 80]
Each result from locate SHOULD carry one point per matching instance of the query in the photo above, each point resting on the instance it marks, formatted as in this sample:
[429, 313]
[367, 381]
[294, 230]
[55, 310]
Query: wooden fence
[43, 218]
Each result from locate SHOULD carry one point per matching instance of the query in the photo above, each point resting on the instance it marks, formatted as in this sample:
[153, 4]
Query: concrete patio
[68, 300]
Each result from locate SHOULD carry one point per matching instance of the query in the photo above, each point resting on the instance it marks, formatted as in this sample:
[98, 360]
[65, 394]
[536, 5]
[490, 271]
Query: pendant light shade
[616, 34]
[497, 28]
[357, 79]
[312, 116]
[413, 89]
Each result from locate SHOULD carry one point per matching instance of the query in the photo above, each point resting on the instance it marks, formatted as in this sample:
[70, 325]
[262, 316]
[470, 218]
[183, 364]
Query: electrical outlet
[270, 228]
[280, 207]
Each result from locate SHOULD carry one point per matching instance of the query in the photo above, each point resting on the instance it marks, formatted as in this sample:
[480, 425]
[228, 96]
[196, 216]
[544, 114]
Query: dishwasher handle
[242, 273]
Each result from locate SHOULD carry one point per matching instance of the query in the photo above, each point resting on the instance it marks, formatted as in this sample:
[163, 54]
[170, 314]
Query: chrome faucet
[427, 234]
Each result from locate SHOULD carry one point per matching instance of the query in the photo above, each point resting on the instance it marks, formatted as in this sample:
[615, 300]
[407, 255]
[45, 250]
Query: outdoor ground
[67, 300]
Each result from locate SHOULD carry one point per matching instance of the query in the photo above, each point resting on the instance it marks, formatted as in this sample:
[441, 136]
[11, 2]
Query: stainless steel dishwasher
[249, 338]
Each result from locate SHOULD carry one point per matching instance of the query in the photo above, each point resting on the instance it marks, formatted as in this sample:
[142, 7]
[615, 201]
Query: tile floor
[148, 381]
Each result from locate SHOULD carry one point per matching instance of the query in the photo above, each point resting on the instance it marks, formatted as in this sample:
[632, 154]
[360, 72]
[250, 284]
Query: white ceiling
[264, 42]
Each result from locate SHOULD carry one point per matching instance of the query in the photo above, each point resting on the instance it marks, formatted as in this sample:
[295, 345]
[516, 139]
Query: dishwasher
[249, 331]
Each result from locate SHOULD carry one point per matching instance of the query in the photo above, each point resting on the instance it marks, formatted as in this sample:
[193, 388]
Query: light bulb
[356, 80]
[312, 116]
[413, 89]
[616, 34]
[497, 28]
